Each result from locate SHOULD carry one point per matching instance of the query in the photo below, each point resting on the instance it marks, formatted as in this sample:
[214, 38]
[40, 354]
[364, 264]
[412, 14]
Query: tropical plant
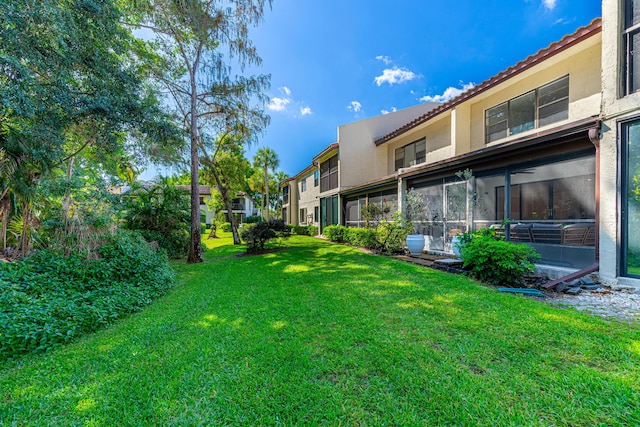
[161, 214]
[265, 158]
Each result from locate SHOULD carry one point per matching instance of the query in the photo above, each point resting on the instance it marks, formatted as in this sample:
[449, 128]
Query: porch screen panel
[631, 216]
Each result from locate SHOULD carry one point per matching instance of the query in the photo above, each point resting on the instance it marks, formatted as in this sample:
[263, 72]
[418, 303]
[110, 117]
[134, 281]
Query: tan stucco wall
[581, 63]
[360, 159]
[438, 137]
[307, 199]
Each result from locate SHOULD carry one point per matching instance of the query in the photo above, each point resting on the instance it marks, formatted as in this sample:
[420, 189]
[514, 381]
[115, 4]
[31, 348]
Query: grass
[324, 334]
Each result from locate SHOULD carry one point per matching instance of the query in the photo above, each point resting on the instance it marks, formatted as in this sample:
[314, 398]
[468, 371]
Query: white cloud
[393, 110]
[448, 94]
[395, 75]
[279, 104]
[549, 4]
[354, 107]
[384, 59]
[285, 103]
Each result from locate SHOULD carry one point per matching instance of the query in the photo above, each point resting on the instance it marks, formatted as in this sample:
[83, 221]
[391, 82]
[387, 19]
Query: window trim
[416, 160]
[536, 111]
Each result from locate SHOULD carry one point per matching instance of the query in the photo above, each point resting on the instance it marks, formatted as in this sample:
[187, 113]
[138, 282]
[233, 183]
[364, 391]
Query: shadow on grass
[323, 334]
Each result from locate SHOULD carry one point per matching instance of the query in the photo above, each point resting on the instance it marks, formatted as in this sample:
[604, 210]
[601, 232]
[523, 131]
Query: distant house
[242, 207]
[206, 211]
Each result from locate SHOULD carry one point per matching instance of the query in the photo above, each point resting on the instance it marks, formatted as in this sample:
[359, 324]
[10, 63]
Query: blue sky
[334, 62]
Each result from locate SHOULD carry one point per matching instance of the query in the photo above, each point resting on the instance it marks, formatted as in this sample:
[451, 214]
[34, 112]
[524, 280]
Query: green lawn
[323, 334]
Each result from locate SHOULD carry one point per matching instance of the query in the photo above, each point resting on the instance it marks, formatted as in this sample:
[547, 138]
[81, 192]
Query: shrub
[161, 213]
[256, 235]
[392, 235]
[361, 237]
[498, 262]
[254, 219]
[313, 230]
[335, 233]
[226, 227]
[301, 230]
[49, 299]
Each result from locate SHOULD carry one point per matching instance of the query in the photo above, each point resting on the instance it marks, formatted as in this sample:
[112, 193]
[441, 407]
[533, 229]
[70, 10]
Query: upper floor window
[631, 41]
[316, 178]
[285, 195]
[411, 154]
[542, 106]
[303, 185]
[329, 174]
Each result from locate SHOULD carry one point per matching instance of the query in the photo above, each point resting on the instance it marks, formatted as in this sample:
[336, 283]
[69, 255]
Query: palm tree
[266, 158]
[280, 176]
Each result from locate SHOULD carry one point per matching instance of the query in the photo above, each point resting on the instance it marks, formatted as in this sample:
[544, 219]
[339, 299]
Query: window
[316, 178]
[631, 42]
[329, 174]
[303, 216]
[540, 107]
[303, 185]
[285, 195]
[316, 213]
[631, 199]
[202, 200]
[411, 154]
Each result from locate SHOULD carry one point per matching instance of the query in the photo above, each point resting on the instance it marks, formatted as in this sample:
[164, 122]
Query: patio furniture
[520, 233]
[578, 235]
[546, 233]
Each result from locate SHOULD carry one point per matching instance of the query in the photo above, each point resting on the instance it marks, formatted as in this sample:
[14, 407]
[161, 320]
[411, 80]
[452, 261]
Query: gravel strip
[611, 304]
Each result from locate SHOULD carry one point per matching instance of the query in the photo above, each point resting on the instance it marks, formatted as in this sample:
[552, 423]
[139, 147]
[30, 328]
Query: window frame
[495, 130]
[400, 154]
[302, 219]
[630, 29]
[303, 185]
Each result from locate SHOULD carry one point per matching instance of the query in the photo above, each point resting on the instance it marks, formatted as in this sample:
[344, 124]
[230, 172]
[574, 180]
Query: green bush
[335, 233]
[203, 228]
[226, 227]
[256, 235]
[498, 262]
[161, 213]
[49, 299]
[392, 235]
[313, 230]
[301, 230]
[253, 219]
[361, 237]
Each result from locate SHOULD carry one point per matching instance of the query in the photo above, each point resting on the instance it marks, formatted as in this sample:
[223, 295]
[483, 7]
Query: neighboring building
[206, 210]
[242, 207]
[300, 197]
[620, 144]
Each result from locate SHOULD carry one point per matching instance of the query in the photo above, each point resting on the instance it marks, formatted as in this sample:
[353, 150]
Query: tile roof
[554, 48]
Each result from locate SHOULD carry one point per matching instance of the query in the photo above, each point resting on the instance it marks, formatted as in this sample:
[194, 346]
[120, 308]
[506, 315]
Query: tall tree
[279, 177]
[71, 80]
[265, 158]
[228, 169]
[191, 37]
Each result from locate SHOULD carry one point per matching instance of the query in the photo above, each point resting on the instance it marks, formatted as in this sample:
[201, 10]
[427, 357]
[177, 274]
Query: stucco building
[547, 152]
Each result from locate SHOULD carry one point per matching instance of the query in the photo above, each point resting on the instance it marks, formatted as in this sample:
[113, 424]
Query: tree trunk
[266, 188]
[224, 193]
[66, 203]
[24, 236]
[5, 206]
[195, 245]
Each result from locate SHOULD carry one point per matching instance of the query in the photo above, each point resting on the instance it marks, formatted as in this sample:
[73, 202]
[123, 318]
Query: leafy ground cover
[324, 334]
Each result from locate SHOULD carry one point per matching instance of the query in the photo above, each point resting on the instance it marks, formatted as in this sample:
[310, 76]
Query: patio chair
[546, 233]
[575, 234]
[520, 233]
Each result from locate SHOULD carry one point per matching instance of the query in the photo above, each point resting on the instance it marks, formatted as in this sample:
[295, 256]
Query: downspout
[594, 137]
